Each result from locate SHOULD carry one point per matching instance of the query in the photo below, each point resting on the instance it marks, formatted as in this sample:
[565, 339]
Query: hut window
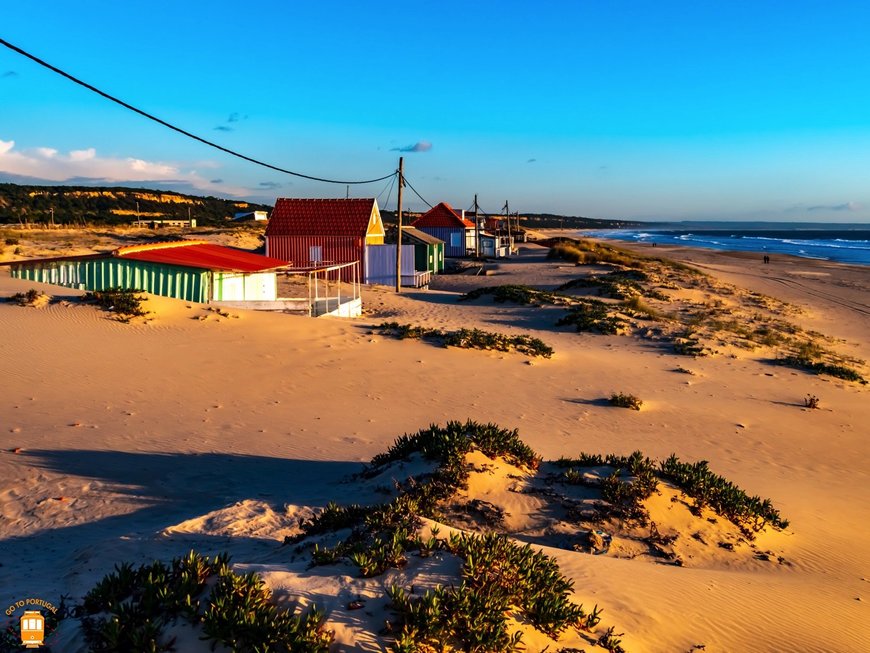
[455, 240]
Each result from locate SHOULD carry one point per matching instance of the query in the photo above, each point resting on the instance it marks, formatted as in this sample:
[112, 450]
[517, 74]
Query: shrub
[470, 339]
[695, 479]
[750, 513]
[497, 576]
[811, 401]
[125, 303]
[518, 294]
[11, 241]
[625, 401]
[592, 315]
[28, 298]
[689, 345]
[637, 307]
[622, 284]
[130, 608]
[820, 367]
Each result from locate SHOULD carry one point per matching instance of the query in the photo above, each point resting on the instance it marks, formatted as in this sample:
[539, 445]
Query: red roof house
[310, 232]
[193, 270]
[450, 225]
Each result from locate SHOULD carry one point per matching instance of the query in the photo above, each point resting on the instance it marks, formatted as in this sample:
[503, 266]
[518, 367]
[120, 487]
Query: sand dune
[143, 440]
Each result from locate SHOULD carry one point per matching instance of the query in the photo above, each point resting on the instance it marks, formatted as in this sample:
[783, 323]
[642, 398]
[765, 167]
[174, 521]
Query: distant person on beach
[766, 259]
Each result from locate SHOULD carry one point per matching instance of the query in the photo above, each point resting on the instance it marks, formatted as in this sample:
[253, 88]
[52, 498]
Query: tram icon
[32, 629]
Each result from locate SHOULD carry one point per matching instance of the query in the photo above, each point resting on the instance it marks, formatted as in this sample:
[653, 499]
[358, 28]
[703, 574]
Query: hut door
[315, 254]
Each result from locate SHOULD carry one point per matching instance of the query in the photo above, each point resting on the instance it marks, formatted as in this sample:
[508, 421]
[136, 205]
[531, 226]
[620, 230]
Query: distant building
[157, 224]
[251, 216]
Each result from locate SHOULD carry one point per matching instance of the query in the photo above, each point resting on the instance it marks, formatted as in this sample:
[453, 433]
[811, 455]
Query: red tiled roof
[199, 254]
[320, 217]
[442, 215]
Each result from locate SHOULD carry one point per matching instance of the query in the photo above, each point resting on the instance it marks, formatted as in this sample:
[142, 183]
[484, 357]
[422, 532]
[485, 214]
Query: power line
[408, 183]
[178, 129]
[389, 192]
[387, 185]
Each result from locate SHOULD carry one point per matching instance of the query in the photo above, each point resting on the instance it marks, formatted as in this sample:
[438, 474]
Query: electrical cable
[387, 185]
[390, 192]
[182, 131]
[408, 184]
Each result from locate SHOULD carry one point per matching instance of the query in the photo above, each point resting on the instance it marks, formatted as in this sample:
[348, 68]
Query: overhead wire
[390, 192]
[387, 185]
[179, 129]
[409, 185]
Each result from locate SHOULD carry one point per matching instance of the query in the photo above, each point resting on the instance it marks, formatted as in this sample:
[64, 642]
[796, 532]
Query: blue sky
[647, 110]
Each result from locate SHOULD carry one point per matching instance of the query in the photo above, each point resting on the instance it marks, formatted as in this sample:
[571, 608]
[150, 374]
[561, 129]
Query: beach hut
[449, 225]
[311, 232]
[192, 270]
[428, 250]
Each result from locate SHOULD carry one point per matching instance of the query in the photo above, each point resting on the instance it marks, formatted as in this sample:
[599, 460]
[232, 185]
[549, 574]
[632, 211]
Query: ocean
[843, 243]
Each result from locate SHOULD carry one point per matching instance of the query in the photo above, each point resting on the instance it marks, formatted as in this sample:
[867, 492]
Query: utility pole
[138, 217]
[507, 212]
[399, 226]
[52, 217]
[347, 194]
[476, 230]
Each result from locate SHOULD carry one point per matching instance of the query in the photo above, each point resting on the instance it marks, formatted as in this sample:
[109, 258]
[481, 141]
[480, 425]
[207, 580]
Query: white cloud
[83, 155]
[49, 164]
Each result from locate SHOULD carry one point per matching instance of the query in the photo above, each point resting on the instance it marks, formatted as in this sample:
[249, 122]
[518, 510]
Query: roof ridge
[166, 244]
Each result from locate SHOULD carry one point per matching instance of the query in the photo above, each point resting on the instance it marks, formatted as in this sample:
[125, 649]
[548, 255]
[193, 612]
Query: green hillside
[77, 205]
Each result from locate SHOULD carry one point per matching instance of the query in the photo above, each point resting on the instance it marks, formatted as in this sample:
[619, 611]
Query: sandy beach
[193, 430]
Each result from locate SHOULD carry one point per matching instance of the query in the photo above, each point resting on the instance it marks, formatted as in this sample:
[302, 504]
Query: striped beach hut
[314, 232]
[447, 224]
[192, 270]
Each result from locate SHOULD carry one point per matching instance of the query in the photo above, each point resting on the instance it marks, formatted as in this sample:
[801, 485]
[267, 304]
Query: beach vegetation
[811, 401]
[812, 357]
[619, 284]
[625, 495]
[498, 577]
[611, 641]
[131, 609]
[586, 252]
[689, 344]
[593, 315]
[518, 294]
[28, 298]
[750, 513]
[636, 307]
[470, 339]
[123, 302]
[622, 400]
